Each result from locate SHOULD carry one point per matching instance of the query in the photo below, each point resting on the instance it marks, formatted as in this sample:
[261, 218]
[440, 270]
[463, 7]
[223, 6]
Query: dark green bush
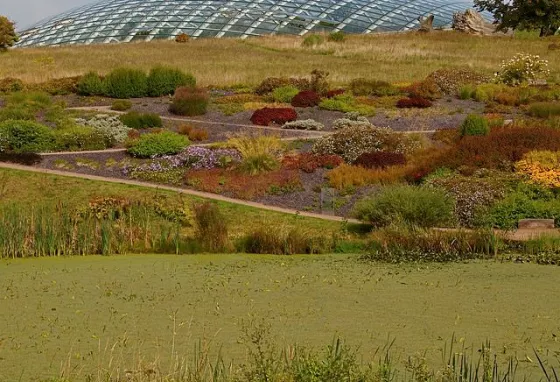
[126, 83]
[211, 227]
[157, 144]
[189, 101]
[163, 81]
[365, 87]
[90, 84]
[544, 109]
[409, 205]
[81, 138]
[121, 105]
[475, 125]
[26, 137]
[136, 120]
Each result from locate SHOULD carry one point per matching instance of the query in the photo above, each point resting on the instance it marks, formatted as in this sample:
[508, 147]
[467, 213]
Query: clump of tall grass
[105, 227]
[281, 241]
[211, 227]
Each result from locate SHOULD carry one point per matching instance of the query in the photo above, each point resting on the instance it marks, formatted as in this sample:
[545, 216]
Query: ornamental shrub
[365, 87]
[11, 85]
[380, 159]
[91, 84]
[413, 102]
[352, 119]
[157, 144]
[450, 81]
[319, 82]
[266, 116]
[306, 98]
[79, 138]
[110, 126]
[193, 133]
[20, 136]
[136, 120]
[541, 167]
[126, 83]
[284, 94]
[474, 124]
[415, 206]
[190, 101]
[334, 92]
[306, 124]
[268, 85]
[182, 38]
[351, 142]
[501, 148]
[121, 105]
[522, 68]
[347, 177]
[427, 89]
[544, 109]
[163, 81]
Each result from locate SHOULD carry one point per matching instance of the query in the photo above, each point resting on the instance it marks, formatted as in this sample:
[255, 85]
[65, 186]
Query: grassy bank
[392, 57]
[82, 314]
[45, 190]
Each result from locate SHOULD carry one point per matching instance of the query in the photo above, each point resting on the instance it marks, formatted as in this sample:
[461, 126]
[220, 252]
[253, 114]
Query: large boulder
[426, 23]
[472, 22]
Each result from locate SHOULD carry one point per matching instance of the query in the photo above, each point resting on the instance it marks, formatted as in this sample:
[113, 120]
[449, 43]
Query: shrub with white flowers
[522, 68]
[306, 124]
[108, 125]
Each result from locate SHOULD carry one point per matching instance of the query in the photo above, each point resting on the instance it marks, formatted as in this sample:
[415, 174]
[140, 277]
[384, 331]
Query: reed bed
[60, 231]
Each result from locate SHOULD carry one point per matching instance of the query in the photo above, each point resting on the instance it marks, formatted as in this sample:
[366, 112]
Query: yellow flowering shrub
[542, 167]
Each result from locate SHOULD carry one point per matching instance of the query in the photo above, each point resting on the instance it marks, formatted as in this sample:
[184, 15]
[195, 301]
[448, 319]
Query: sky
[27, 12]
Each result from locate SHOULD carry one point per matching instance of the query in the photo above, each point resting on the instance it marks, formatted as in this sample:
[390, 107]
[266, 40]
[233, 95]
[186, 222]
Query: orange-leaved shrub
[189, 101]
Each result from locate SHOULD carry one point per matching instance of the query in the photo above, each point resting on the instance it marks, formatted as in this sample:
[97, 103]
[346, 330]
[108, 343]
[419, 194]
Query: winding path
[205, 195]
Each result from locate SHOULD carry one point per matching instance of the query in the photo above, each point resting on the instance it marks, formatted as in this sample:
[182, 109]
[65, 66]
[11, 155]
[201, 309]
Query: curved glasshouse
[135, 20]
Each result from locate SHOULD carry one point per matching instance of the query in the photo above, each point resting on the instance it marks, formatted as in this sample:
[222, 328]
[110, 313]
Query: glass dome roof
[110, 21]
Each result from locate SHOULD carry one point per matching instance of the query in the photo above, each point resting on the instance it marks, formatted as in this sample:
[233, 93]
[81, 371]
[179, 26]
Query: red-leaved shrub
[501, 148]
[308, 162]
[334, 93]
[306, 98]
[414, 102]
[380, 159]
[280, 115]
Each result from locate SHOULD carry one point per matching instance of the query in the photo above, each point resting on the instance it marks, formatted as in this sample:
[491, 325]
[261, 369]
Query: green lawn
[72, 311]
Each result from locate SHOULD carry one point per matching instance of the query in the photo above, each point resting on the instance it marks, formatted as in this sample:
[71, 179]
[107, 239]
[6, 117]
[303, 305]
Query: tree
[543, 15]
[8, 36]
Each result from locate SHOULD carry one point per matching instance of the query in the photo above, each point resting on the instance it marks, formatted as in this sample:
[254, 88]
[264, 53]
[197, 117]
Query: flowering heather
[195, 157]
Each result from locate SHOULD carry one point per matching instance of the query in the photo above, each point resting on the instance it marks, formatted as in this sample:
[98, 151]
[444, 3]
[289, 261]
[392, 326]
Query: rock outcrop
[426, 23]
[472, 22]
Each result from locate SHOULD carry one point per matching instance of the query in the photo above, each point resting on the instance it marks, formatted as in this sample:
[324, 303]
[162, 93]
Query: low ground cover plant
[450, 81]
[308, 162]
[157, 144]
[380, 159]
[136, 120]
[284, 94]
[194, 134]
[413, 102]
[366, 87]
[189, 101]
[280, 116]
[121, 105]
[427, 89]
[306, 124]
[348, 178]
[345, 103]
[409, 205]
[78, 138]
[268, 85]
